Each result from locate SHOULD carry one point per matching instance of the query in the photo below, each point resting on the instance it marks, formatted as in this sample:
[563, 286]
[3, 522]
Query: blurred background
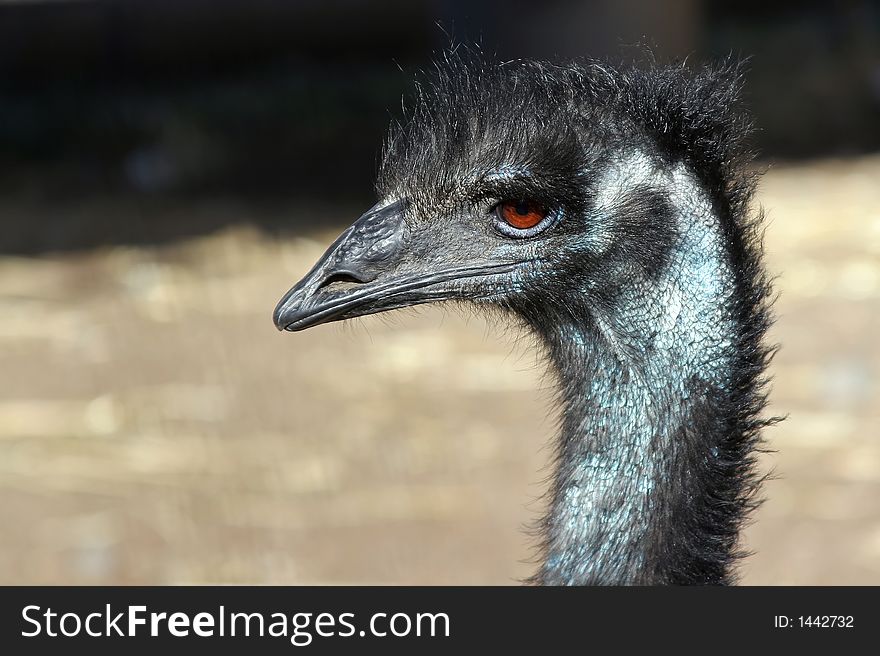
[169, 168]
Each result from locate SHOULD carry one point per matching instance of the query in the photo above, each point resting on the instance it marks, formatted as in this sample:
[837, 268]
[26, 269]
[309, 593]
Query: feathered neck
[660, 389]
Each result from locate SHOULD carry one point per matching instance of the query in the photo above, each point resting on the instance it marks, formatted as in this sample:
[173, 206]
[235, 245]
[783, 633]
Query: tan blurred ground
[155, 428]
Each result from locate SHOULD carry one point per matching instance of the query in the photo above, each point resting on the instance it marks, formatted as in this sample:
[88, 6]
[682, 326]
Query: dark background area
[266, 102]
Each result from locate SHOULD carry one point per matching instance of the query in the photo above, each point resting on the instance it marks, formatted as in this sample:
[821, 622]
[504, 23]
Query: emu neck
[645, 382]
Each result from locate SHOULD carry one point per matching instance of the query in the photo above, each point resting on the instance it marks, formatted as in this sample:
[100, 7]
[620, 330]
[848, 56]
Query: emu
[608, 210]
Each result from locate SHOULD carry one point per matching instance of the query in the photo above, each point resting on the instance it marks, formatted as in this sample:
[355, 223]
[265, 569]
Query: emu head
[485, 196]
[523, 185]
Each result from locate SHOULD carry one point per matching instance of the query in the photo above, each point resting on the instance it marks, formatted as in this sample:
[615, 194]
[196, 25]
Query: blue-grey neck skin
[638, 372]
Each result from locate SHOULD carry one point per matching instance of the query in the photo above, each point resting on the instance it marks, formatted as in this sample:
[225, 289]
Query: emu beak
[354, 261]
[366, 271]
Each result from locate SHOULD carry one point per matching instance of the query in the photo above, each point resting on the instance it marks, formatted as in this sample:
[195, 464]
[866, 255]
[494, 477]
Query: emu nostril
[341, 279]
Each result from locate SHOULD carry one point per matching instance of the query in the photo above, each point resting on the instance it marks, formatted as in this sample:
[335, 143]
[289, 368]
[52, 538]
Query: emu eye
[521, 218]
[521, 214]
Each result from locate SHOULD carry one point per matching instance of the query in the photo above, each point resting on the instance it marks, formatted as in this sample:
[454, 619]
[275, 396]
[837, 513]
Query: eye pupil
[522, 208]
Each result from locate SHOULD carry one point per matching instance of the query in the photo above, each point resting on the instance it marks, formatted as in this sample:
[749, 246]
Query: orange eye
[521, 214]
